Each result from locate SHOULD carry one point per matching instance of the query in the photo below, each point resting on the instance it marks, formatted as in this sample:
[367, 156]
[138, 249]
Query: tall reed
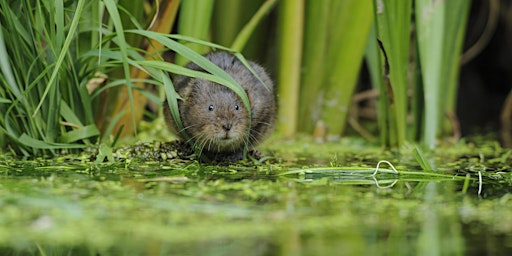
[393, 19]
[334, 43]
[345, 51]
[441, 27]
[291, 19]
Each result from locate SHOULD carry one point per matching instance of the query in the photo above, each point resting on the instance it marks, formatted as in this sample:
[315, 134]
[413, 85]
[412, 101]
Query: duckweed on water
[309, 198]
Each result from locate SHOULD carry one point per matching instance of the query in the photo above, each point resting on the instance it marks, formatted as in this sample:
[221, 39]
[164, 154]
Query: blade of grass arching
[5, 66]
[130, 12]
[353, 19]
[199, 41]
[176, 69]
[114, 14]
[422, 160]
[150, 66]
[393, 30]
[146, 93]
[35, 143]
[218, 47]
[65, 47]
[313, 76]
[199, 59]
[194, 21]
[109, 130]
[69, 115]
[79, 134]
[172, 101]
[291, 20]
[244, 35]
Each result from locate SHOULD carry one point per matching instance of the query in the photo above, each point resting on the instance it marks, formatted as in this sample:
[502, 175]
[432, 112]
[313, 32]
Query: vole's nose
[226, 127]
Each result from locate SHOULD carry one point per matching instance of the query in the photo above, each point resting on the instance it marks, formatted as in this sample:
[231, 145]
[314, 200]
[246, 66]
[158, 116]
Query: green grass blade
[422, 160]
[172, 101]
[63, 52]
[112, 125]
[5, 66]
[4, 100]
[120, 32]
[177, 69]
[200, 60]
[244, 35]
[35, 143]
[82, 133]
[69, 115]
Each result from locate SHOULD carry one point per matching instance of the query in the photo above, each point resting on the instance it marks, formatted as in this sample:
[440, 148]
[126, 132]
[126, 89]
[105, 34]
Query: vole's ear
[185, 91]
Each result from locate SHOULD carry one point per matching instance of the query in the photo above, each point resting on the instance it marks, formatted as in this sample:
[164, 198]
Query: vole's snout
[226, 127]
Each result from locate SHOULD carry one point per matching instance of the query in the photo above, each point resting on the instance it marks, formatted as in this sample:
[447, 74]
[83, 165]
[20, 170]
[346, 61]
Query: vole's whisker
[188, 127]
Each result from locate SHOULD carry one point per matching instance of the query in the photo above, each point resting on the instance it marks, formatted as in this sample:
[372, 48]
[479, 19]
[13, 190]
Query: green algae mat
[304, 199]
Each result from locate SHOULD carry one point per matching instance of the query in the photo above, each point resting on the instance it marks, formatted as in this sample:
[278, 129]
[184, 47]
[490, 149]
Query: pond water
[309, 199]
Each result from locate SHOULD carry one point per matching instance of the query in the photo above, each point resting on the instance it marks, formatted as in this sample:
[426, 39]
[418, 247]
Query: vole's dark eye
[237, 107]
[210, 108]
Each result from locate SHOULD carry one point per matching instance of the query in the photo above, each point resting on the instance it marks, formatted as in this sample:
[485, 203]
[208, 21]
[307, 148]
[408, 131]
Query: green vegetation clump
[86, 73]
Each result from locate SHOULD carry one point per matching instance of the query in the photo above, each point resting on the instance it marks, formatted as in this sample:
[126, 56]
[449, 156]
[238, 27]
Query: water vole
[215, 117]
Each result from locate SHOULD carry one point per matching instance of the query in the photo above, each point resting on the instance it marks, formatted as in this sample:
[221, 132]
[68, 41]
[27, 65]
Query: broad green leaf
[80, 134]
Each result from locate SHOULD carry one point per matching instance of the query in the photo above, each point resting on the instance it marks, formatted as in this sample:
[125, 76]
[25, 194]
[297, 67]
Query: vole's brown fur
[215, 117]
